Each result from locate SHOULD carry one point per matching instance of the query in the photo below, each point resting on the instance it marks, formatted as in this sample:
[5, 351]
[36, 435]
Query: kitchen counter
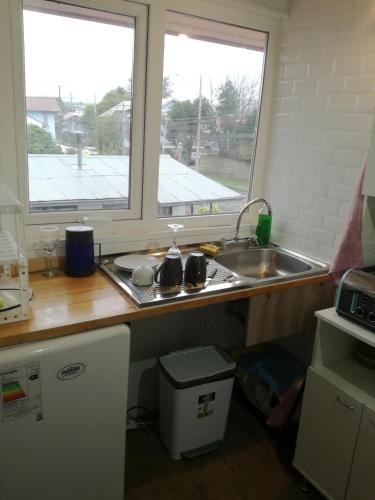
[63, 305]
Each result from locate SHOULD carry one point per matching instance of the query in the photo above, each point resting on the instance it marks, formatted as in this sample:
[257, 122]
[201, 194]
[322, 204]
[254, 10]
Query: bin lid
[198, 365]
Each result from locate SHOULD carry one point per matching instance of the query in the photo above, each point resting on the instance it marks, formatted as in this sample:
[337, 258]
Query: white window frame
[139, 13]
[145, 229]
[245, 16]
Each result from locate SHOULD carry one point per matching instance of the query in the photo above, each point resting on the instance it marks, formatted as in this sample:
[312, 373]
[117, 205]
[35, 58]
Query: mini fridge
[63, 417]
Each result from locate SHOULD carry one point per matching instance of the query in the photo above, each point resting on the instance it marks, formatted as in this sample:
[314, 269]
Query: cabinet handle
[345, 405]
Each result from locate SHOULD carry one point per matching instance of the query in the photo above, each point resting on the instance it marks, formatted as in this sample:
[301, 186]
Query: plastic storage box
[195, 388]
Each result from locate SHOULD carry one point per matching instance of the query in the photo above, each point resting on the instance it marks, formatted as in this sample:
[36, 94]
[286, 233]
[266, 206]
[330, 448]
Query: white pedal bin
[195, 388]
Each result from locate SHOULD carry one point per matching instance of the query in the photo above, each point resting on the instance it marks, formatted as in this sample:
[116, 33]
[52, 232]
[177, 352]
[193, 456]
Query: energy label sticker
[20, 392]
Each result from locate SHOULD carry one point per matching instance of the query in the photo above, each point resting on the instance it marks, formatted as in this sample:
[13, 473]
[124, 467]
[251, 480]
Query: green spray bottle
[263, 229]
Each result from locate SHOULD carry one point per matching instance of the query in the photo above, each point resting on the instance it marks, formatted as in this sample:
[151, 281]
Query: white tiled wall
[323, 111]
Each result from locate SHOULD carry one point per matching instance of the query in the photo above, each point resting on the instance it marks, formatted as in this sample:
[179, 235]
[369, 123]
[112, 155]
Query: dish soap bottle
[263, 229]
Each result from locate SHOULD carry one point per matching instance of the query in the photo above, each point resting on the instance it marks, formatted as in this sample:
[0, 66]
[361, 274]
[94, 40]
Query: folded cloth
[349, 252]
[282, 412]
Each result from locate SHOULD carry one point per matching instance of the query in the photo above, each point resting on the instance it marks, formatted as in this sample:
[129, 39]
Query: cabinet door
[362, 478]
[286, 312]
[327, 435]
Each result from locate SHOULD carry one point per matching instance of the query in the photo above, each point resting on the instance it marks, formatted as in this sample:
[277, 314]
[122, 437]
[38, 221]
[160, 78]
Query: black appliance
[79, 251]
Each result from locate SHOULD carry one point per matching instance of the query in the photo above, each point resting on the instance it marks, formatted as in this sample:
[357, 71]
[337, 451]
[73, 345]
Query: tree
[89, 125]
[237, 110]
[248, 94]
[40, 141]
[110, 135]
[228, 104]
[112, 98]
[237, 96]
[183, 123]
[181, 127]
[106, 133]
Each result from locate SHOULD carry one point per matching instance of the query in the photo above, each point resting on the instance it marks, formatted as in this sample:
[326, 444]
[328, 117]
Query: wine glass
[49, 236]
[174, 250]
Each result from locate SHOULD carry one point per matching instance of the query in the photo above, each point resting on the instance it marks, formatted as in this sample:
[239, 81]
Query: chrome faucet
[245, 209]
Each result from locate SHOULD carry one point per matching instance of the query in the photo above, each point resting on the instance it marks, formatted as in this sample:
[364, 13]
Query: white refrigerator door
[63, 417]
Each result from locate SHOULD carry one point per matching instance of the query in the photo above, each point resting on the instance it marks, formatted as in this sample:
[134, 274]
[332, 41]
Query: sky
[186, 60]
[86, 59]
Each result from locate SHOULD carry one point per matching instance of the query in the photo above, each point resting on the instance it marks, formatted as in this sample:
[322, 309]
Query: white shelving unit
[8, 248]
[369, 180]
[336, 438]
[14, 282]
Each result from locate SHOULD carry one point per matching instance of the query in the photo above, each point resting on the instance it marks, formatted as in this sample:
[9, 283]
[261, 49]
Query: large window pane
[211, 99]
[79, 73]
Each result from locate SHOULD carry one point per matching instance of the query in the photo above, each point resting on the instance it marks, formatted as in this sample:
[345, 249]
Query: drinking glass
[49, 236]
[174, 250]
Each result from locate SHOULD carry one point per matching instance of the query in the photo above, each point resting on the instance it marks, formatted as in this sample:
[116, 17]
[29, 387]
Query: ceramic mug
[170, 271]
[195, 269]
[143, 276]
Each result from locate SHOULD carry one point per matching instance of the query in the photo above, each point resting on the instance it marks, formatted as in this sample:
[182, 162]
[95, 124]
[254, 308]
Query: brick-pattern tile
[323, 114]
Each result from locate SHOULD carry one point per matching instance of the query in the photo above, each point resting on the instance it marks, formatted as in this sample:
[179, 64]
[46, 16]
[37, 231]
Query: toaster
[355, 298]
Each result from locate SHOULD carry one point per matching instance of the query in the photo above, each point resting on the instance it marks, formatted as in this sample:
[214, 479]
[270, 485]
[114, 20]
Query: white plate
[10, 299]
[130, 262]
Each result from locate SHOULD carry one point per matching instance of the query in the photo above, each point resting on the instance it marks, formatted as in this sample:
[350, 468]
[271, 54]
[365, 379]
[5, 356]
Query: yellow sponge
[209, 249]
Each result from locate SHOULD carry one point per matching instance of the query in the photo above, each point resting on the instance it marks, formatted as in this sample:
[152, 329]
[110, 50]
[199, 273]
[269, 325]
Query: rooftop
[56, 178]
[49, 104]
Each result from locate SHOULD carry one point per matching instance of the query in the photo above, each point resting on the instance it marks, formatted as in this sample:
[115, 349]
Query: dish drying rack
[14, 280]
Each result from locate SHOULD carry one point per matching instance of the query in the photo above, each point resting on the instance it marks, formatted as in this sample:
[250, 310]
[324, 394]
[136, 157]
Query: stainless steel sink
[239, 267]
[271, 263]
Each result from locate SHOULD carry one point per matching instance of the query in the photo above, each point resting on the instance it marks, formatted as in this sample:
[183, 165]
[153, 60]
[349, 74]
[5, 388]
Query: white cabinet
[369, 180]
[362, 478]
[327, 435]
[336, 440]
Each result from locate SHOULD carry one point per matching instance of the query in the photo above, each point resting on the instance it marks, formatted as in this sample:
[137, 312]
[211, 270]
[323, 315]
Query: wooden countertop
[64, 305]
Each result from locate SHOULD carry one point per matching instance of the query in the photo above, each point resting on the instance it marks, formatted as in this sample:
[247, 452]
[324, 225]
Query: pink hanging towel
[349, 253]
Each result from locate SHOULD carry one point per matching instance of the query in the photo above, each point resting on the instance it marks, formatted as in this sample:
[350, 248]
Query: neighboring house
[33, 121]
[122, 107]
[71, 119]
[103, 183]
[126, 106]
[124, 110]
[44, 110]
[167, 105]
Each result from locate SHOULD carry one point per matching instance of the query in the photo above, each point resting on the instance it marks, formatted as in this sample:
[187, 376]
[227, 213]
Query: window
[195, 156]
[84, 122]
[212, 85]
